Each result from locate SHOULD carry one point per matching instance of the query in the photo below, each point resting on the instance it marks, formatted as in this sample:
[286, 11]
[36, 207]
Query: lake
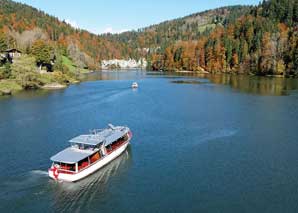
[200, 144]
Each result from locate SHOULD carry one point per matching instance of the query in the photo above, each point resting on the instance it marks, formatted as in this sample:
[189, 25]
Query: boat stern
[53, 172]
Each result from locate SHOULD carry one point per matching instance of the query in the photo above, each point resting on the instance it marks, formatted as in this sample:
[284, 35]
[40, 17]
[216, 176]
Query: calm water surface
[201, 144]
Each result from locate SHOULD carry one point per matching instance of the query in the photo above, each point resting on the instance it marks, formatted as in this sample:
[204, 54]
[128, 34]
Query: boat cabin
[86, 150]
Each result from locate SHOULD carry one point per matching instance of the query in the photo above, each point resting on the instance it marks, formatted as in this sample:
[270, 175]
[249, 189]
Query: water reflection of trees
[248, 84]
[114, 75]
[257, 85]
[74, 196]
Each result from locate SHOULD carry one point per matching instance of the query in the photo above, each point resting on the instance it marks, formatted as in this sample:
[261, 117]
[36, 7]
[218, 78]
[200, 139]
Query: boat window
[95, 157]
[97, 146]
[82, 146]
[86, 146]
[83, 163]
[66, 166]
[75, 145]
[109, 147]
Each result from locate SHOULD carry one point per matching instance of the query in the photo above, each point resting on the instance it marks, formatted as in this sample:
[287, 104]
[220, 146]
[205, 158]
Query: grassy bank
[72, 67]
[9, 85]
[23, 74]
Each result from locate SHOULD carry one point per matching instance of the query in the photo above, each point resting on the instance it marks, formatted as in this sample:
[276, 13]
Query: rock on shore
[54, 86]
[5, 92]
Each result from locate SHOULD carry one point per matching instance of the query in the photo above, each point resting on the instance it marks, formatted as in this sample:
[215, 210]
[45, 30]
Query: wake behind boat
[89, 153]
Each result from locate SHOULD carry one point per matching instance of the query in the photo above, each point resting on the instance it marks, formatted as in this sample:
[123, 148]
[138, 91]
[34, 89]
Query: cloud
[72, 23]
[123, 30]
[110, 29]
[97, 31]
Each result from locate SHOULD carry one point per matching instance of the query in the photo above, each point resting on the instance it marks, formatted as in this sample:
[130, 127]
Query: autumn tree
[42, 53]
[169, 59]
[3, 42]
[267, 59]
[24, 71]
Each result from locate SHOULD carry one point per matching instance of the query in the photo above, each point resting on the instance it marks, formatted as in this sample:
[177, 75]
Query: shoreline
[9, 87]
[196, 72]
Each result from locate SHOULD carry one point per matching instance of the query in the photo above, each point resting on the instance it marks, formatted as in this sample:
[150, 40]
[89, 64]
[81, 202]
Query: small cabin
[9, 55]
[13, 53]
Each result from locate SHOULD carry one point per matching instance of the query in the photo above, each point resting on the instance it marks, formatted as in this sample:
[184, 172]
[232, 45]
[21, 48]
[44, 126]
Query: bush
[62, 78]
[5, 71]
[24, 71]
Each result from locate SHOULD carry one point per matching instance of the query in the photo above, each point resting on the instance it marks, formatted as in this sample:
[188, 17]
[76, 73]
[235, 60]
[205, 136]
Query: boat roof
[88, 139]
[106, 136]
[71, 155]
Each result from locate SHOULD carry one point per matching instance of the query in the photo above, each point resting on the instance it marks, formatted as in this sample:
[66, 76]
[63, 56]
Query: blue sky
[101, 16]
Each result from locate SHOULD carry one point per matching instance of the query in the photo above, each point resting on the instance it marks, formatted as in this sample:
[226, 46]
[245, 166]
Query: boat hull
[91, 169]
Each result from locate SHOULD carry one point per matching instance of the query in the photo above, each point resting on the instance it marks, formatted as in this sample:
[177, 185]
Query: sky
[114, 16]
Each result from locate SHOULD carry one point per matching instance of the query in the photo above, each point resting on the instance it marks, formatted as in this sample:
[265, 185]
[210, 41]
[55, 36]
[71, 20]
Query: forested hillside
[238, 39]
[22, 25]
[263, 41]
[156, 38]
[258, 40]
[52, 51]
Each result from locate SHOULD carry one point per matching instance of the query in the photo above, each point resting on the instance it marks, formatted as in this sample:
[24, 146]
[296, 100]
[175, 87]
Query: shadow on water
[188, 82]
[74, 196]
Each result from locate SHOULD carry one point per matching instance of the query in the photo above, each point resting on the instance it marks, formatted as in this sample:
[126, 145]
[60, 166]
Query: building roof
[12, 50]
[71, 155]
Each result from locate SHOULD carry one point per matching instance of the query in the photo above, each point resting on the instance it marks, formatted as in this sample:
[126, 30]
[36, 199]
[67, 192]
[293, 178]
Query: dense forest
[157, 38]
[262, 41]
[259, 40]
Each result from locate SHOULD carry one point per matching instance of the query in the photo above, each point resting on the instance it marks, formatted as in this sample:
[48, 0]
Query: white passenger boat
[134, 85]
[89, 153]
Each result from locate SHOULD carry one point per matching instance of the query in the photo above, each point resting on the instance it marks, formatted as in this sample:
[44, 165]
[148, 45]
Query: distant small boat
[134, 85]
[88, 153]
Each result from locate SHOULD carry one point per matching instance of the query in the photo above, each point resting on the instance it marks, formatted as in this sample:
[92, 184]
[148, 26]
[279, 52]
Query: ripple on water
[217, 134]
